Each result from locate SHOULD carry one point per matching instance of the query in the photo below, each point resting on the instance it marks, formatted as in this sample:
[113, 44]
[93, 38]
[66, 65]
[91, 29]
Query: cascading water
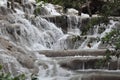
[39, 34]
[95, 44]
[3, 2]
[73, 25]
[22, 37]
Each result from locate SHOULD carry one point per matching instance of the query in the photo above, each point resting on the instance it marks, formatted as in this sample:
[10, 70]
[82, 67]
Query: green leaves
[37, 1]
[5, 76]
[113, 38]
[19, 77]
[110, 7]
[34, 77]
[0, 67]
[8, 76]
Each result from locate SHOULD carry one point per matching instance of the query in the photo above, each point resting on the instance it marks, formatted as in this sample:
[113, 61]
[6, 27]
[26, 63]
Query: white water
[95, 44]
[40, 36]
[50, 9]
[43, 35]
[52, 70]
[73, 22]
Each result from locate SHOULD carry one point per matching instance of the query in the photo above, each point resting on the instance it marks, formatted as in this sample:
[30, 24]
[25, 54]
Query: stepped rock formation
[32, 44]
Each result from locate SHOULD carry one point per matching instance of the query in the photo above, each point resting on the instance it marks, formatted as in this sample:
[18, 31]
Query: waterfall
[23, 35]
[95, 44]
[42, 33]
[3, 2]
[73, 25]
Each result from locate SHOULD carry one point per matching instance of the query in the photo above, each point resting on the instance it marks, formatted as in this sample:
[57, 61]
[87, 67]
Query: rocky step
[101, 75]
[87, 62]
[89, 52]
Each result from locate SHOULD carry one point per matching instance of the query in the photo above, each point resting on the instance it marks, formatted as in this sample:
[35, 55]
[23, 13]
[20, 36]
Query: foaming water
[50, 70]
[3, 2]
[25, 37]
[94, 45]
[73, 25]
[40, 36]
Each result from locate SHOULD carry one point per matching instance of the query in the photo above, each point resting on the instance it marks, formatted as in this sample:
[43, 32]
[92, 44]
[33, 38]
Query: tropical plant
[8, 76]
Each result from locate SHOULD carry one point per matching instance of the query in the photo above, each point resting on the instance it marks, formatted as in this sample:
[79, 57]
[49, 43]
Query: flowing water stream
[21, 38]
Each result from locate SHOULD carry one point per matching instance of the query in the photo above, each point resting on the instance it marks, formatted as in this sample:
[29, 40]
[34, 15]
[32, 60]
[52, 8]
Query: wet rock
[59, 9]
[28, 8]
[18, 56]
[5, 11]
[18, 6]
[43, 11]
[95, 6]
[60, 21]
[72, 22]
[72, 11]
[11, 65]
[117, 26]
[80, 64]
[25, 60]
[48, 9]
[113, 65]
[102, 77]
[73, 65]
[91, 64]
[51, 53]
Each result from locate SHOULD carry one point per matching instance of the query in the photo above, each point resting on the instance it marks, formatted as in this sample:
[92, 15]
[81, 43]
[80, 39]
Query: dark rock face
[113, 65]
[73, 65]
[88, 64]
[80, 64]
[66, 22]
[95, 6]
[102, 77]
[116, 12]
[72, 22]
[60, 21]
[5, 11]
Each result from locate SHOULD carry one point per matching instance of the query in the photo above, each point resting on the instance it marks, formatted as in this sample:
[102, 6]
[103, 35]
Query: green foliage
[34, 77]
[107, 9]
[65, 3]
[100, 64]
[0, 67]
[37, 1]
[95, 21]
[75, 38]
[113, 39]
[103, 62]
[8, 76]
[98, 21]
[37, 11]
[110, 7]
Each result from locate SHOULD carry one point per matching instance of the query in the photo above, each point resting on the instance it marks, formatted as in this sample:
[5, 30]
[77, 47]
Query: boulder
[72, 11]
